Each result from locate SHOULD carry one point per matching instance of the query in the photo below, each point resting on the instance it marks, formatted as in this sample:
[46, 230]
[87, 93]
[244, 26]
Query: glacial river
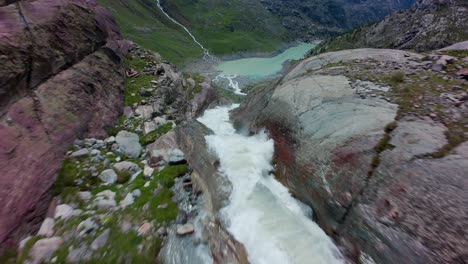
[274, 227]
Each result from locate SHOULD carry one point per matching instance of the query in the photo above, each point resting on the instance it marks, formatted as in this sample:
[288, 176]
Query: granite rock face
[62, 77]
[361, 163]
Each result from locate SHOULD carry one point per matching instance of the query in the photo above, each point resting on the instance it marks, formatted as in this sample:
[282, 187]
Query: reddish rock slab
[43, 37]
[61, 77]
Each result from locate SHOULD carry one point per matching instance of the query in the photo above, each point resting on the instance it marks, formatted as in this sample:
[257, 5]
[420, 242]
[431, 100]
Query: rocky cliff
[428, 25]
[62, 76]
[375, 141]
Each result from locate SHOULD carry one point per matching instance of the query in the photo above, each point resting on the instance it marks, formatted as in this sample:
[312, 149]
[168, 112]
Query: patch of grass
[455, 136]
[233, 26]
[154, 135]
[66, 176]
[396, 78]
[142, 22]
[390, 127]
[456, 53]
[163, 215]
[9, 256]
[167, 175]
[136, 64]
[133, 86]
[123, 176]
[384, 144]
[126, 247]
[113, 131]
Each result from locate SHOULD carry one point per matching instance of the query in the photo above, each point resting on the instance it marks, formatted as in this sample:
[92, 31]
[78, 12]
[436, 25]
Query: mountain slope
[428, 25]
[229, 26]
[142, 22]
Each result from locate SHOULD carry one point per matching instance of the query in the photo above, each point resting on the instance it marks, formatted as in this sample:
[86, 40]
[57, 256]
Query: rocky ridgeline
[318, 19]
[114, 200]
[376, 142]
[428, 25]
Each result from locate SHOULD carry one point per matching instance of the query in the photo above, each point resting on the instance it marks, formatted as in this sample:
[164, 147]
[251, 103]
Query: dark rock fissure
[381, 146]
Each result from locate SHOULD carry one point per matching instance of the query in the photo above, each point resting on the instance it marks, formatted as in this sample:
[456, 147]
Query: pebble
[163, 206]
[64, 211]
[128, 200]
[101, 240]
[186, 229]
[127, 166]
[79, 255]
[148, 171]
[125, 226]
[136, 193]
[162, 231]
[177, 157]
[88, 226]
[80, 153]
[47, 228]
[144, 229]
[108, 176]
[23, 242]
[44, 249]
[84, 196]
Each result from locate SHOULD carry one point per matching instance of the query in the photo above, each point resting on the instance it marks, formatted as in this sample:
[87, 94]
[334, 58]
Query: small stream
[206, 52]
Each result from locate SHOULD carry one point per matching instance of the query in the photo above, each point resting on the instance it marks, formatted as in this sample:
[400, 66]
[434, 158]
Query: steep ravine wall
[61, 77]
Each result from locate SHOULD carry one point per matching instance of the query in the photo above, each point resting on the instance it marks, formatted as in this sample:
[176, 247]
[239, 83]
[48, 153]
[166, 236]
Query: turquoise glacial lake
[263, 67]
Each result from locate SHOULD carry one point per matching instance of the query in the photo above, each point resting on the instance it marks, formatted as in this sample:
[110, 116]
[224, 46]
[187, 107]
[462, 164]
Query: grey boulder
[129, 143]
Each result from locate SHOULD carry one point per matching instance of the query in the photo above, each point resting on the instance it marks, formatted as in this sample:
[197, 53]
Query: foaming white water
[206, 53]
[232, 82]
[273, 226]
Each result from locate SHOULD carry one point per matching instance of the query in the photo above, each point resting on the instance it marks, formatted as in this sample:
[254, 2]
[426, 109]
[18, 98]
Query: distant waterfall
[206, 53]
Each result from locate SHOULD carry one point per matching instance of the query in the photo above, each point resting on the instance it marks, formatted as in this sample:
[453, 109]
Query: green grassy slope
[231, 26]
[142, 22]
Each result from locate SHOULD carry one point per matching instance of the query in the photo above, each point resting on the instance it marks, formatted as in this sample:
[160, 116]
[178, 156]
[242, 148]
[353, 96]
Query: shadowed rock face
[364, 170]
[321, 18]
[61, 77]
[190, 137]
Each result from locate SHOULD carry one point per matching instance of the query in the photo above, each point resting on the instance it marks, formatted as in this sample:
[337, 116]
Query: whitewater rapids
[273, 226]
